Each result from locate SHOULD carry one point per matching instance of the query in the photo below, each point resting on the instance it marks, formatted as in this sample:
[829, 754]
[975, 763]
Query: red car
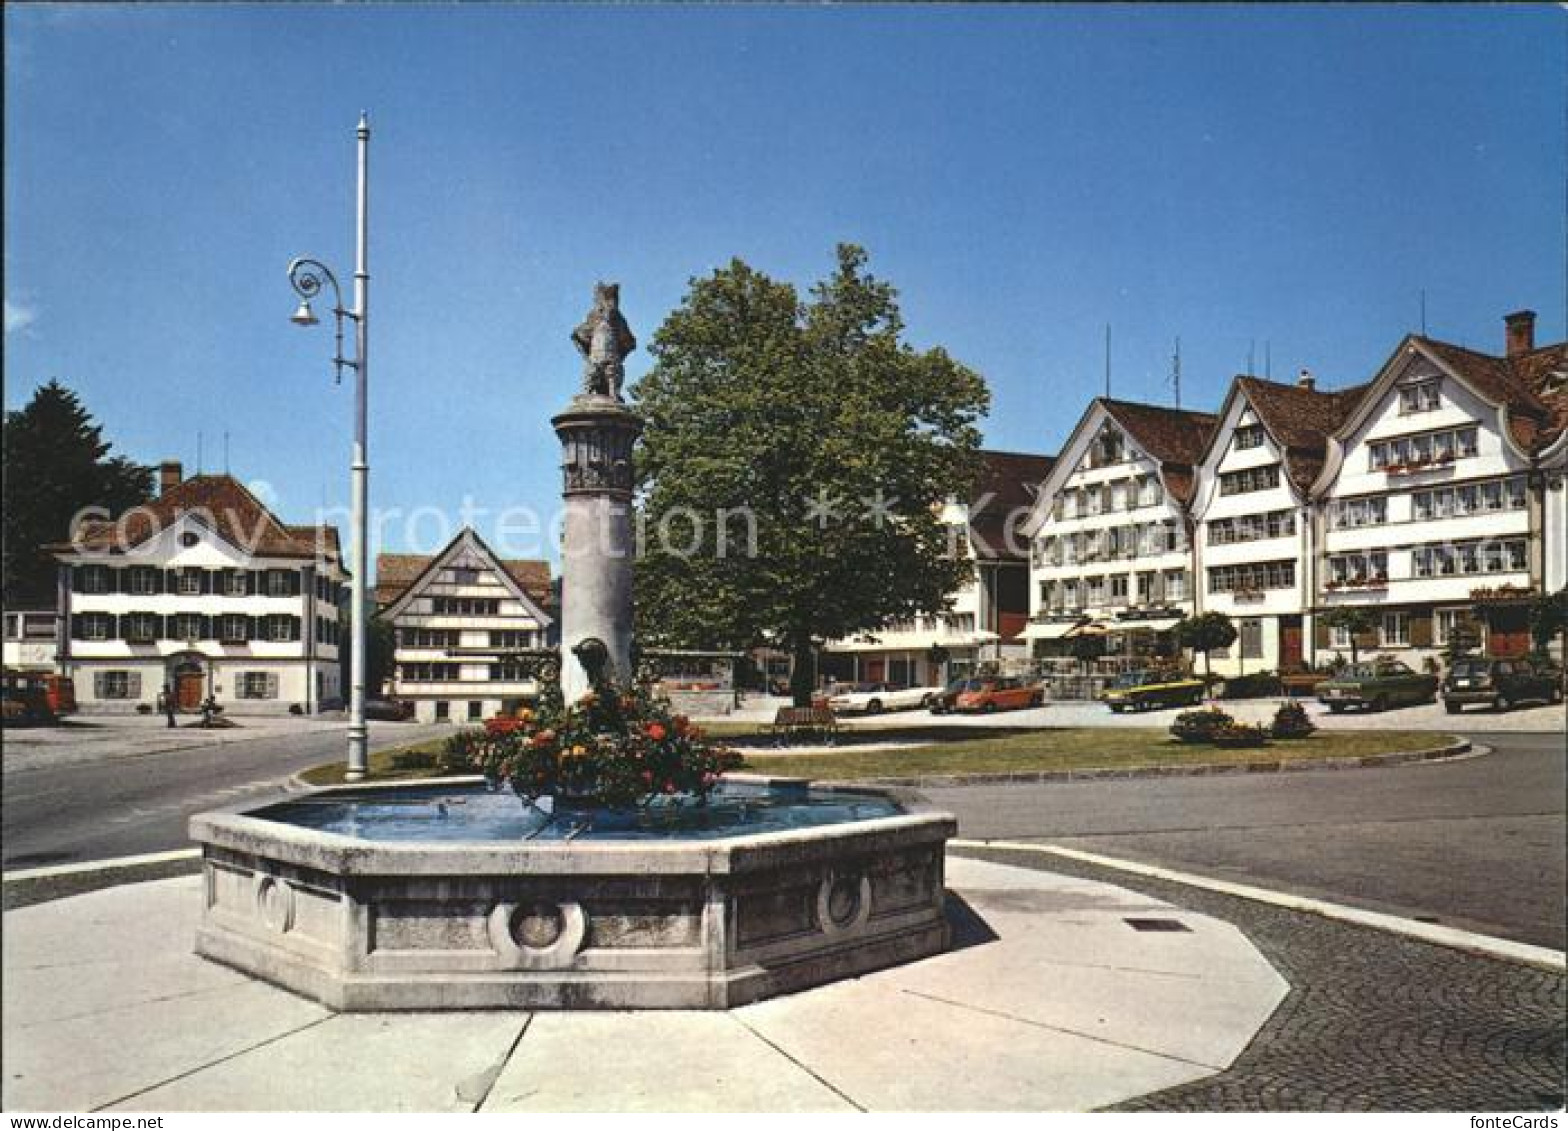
[1004, 693]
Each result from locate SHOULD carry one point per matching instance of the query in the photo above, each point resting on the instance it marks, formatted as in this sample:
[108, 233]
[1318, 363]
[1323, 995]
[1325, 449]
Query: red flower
[656, 731]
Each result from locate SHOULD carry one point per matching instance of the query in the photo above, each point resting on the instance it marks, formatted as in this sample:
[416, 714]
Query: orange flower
[656, 731]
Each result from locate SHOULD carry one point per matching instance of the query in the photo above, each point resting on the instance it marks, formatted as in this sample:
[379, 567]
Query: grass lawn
[1076, 748]
[1079, 748]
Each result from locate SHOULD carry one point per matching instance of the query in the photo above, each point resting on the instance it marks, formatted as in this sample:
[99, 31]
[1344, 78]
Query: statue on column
[604, 339]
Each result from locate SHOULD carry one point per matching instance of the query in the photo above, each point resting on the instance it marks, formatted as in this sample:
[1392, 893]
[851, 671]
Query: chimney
[169, 475]
[1307, 381]
[1521, 331]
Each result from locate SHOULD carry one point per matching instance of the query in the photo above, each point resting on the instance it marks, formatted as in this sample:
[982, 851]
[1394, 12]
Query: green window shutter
[1320, 633]
[294, 625]
[76, 626]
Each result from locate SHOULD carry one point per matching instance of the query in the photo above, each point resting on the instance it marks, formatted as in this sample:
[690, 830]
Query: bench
[1297, 684]
[816, 722]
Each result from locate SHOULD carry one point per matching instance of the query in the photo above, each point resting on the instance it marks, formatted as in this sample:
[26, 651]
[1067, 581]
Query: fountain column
[597, 431]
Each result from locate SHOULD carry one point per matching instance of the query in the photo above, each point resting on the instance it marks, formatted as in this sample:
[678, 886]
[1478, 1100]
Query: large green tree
[1206, 632]
[56, 463]
[794, 456]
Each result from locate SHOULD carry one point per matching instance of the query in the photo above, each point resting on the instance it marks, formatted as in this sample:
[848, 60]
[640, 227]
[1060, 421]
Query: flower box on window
[1246, 594]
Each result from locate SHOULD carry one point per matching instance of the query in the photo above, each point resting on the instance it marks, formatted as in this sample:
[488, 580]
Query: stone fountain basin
[682, 924]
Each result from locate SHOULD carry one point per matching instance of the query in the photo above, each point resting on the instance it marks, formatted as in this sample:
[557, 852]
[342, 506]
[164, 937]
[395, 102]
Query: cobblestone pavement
[1373, 1021]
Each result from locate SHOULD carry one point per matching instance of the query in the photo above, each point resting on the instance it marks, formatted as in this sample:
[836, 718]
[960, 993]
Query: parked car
[1377, 686]
[945, 700]
[389, 710]
[874, 698]
[1143, 690]
[1500, 683]
[24, 698]
[1004, 693]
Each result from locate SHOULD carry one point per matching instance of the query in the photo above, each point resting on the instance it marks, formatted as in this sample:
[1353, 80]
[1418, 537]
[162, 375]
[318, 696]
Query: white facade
[455, 625]
[189, 611]
[1425, 506]
[968, 632]
[31, 640]
[1110, 541]
[1253, 546]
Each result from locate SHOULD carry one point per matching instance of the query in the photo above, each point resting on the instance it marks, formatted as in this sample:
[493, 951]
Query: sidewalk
[1080, 713]
[1051, 1000]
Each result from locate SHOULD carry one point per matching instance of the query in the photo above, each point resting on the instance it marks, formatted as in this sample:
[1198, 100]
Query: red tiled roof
[1173, 436]
[221, 502]
[1011, 480]
[1300, 419]
[396, 572]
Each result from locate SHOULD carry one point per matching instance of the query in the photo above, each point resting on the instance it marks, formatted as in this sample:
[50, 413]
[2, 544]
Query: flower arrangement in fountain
[613, 748]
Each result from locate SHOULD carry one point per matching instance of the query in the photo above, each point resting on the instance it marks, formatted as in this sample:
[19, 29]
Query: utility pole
[1107, 360]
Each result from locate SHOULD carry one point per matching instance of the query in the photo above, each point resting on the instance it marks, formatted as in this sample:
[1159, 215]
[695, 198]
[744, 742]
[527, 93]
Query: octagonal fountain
[462, 894]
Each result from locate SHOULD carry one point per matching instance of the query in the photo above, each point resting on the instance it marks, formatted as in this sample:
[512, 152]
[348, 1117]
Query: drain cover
[1157, 925]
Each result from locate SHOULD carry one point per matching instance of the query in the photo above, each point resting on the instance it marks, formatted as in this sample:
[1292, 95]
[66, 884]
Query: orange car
[1000, 694]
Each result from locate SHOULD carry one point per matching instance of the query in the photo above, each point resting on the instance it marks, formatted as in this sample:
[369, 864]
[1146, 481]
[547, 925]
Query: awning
[1160, 624]
[1049, 630]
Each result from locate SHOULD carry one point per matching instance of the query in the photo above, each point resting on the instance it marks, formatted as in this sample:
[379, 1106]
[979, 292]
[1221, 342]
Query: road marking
[100, 865]
[1487, 945]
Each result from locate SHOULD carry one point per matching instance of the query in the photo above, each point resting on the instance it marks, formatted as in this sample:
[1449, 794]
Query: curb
[1488, 946]
[87, 867]
[1457, 749]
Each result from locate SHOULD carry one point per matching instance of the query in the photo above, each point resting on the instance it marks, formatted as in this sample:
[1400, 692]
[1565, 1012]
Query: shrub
[144, 708]
[1239, 734]
[611, 748]
[1256, 685]
[1200, 725]
[1291, 721]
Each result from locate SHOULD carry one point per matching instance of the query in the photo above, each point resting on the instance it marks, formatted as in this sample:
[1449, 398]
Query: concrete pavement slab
[892, 1050]
[353, 1062]
[1053, 1003]
[93, 1058]
[647, 1062]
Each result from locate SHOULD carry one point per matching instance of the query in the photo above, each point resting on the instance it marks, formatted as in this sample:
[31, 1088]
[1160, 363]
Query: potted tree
[1204, 633]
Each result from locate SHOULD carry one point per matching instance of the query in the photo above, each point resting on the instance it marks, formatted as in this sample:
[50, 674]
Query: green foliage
[1239, 734]
[380, 647]
[56, 463]
[610, 748]
[1548, 618]
[1204, 633]
[1200, 725]
[1358, 620]
[1291, 721]
[764, 406]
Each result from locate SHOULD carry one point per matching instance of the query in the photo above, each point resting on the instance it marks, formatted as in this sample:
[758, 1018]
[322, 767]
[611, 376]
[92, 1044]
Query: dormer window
[1422, 396]
[1108, 448]
[1249, 436]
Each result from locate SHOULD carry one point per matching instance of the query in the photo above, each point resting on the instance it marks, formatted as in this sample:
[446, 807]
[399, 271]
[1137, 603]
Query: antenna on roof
[1251, 349]
[1268, 361]
[1107, 360]
[225, 452]
[1176, 370]
[198, 453]
[1423, 312]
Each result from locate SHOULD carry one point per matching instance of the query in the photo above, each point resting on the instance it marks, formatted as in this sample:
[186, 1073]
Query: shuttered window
[256, 685]
[117, 685]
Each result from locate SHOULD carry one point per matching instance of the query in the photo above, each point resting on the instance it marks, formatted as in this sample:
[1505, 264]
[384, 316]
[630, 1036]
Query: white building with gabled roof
[460, 619]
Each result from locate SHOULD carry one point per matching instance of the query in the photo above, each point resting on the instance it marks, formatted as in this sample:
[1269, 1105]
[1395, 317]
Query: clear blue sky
[1023, 175]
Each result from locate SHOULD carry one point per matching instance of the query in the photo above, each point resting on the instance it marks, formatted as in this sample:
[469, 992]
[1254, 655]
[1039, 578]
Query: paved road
[1477, 843]
[120, 804]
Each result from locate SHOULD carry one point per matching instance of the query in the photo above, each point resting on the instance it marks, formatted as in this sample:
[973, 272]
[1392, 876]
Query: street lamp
[308, 276]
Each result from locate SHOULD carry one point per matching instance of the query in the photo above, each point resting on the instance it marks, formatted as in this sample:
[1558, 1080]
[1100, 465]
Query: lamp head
[304, 316]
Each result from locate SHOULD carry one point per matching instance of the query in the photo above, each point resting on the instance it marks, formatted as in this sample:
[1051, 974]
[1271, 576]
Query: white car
[874, 698]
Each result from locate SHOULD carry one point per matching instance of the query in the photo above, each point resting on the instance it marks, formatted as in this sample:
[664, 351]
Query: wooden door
[188, 689]
[1290, 653]
[876, 671]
